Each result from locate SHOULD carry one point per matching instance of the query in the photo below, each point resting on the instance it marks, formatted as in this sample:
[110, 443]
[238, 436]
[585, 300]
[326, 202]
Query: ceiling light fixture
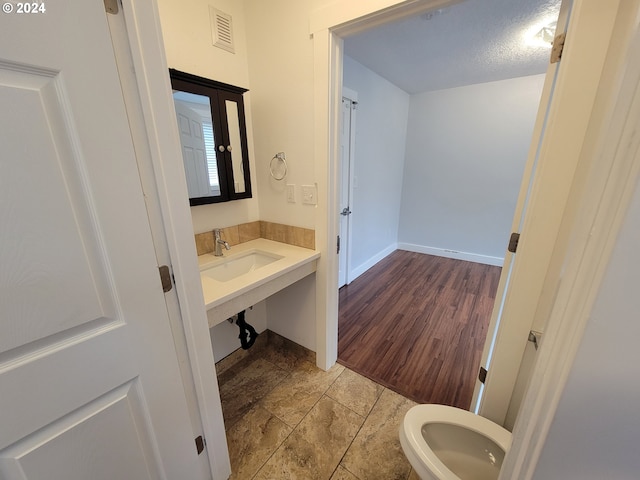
[542, 35]
[548, 32]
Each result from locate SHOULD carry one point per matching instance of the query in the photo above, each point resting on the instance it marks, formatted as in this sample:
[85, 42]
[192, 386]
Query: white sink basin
[249, 273]
[241, 264]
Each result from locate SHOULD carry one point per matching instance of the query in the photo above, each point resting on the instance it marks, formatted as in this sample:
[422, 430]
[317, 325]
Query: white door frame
[568, 117]
[337, 19]
[605, 181]
[154, 90]
[542, 118]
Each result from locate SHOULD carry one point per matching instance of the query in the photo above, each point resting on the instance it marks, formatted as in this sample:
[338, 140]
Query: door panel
[536, 266]
[119, 414]
[89, 380]
[43, 201]
[347, 126]
[512, 317]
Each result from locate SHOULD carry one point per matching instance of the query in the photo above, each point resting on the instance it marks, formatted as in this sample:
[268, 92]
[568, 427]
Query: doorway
[416, 178]
[571, 116]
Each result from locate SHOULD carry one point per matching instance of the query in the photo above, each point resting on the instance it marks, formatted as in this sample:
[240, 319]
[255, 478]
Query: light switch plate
[309, 195]
[291, 193]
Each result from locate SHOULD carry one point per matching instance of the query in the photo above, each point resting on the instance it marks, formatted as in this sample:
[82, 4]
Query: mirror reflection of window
[195, 125]
[236, 147]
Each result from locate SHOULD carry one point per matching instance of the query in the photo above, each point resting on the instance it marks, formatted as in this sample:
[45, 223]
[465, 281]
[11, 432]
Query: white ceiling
[474, 41]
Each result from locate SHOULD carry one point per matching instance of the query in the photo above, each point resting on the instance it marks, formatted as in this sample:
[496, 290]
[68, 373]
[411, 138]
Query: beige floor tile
[239, 359]
[252, 440]
[355, 391]
[316, 446]
[294, 397]
[331, 426]
[295, 460]
[376, 452]
[278, 387]
[342, 473]
[284, 353]
[246, 387]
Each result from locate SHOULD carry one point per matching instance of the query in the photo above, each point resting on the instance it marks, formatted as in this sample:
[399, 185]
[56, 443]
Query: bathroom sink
[249, 273]
[240, 264]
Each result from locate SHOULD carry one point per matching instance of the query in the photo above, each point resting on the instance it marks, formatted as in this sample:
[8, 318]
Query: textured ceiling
[474, 41]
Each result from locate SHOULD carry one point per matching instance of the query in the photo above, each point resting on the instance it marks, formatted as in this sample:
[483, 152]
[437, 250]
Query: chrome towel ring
[278, 166]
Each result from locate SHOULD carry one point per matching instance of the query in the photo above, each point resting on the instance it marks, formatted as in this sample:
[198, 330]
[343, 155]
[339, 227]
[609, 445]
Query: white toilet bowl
[448, 443]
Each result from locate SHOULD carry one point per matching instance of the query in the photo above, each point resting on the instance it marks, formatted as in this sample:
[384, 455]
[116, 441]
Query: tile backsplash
[301, 237]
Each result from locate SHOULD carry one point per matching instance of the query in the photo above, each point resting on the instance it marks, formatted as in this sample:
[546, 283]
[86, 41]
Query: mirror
[195, 126]
[211, 123]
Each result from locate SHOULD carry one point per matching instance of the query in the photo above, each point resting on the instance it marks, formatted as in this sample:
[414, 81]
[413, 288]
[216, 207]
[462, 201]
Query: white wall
[280, 54]
[596, 430]
[186, 31]
[381, 131]
[292, 312]
[466, 150]
[280, 60]
[281, 69]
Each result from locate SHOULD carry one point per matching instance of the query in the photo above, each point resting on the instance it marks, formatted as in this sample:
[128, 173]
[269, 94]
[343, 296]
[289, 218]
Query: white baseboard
[363, 267]
[441, 252]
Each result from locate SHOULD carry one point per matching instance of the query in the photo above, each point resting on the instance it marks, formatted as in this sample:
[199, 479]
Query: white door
[194, 153]
[505, 343]
[347, 136]
[89, 381]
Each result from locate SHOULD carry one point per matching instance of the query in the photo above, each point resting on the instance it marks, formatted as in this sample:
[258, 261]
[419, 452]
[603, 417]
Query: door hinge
[200, 443]
[534, 337]
[513, 242]
[338, 245]
[111, 6]
[165, 278]
[482, 375]
[558, 46]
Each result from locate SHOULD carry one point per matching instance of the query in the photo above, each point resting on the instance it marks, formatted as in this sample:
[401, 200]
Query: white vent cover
[221, 29]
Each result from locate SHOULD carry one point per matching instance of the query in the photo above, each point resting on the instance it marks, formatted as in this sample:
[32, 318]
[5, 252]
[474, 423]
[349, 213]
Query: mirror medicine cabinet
[213, 137]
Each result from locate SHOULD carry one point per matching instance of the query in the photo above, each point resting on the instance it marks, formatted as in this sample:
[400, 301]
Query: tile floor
[287, 419]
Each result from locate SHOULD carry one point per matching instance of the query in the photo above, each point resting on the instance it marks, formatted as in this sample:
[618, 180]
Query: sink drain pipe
[248, 334]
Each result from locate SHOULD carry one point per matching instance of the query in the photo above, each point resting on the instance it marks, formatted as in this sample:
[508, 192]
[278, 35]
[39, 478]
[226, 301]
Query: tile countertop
[217, 293]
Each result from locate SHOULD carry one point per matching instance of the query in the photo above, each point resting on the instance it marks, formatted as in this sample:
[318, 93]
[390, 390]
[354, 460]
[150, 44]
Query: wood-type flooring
[417, 323]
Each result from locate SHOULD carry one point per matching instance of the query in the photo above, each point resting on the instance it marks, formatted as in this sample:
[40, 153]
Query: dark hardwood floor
[417, 324]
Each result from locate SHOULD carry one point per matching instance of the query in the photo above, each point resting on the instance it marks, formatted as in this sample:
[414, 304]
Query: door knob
[345, 211]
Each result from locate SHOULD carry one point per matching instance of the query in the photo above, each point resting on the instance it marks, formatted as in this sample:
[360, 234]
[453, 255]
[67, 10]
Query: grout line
[260, 403]
[357, 433]
[293, 429]
[275, 449]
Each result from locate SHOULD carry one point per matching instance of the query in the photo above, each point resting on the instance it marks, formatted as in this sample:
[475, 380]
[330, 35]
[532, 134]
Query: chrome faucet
[219, 243]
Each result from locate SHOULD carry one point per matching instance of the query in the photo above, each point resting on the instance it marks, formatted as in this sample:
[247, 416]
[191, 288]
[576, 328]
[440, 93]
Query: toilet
[448, 443]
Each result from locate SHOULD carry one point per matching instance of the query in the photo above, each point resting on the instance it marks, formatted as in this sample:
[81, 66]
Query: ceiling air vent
[221, 29]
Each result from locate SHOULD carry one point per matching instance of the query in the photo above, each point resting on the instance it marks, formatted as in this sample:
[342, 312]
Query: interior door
[346, 183]
[89, 381]
[505, 345]
[194, 152]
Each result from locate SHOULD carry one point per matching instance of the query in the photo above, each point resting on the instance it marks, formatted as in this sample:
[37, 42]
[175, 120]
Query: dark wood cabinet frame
[218, 93]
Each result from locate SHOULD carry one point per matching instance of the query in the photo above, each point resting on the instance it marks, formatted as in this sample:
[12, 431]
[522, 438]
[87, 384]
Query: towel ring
[278, 166]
